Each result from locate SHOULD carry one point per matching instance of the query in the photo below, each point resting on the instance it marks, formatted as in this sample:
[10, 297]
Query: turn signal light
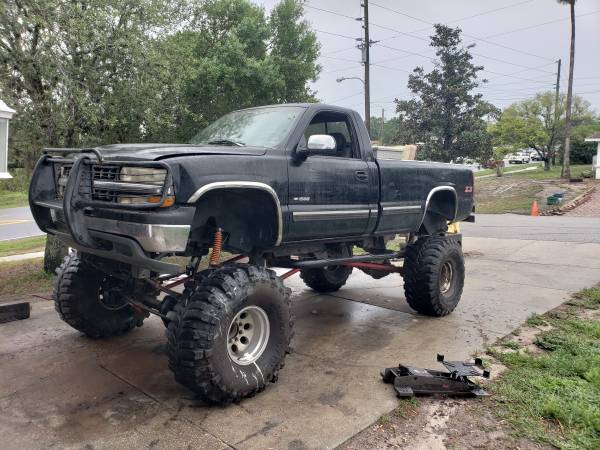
[169, 201]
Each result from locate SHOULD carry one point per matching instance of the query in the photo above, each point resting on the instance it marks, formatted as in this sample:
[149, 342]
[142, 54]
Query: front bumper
[129, 236]
[153, 237]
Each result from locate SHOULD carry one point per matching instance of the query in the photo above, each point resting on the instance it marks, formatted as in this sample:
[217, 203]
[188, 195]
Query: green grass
[24, 277]
[552, 174]
[13, 192]
[20, 246]
[535, 320]
[516, 200]
[13, 199]
[554, 397]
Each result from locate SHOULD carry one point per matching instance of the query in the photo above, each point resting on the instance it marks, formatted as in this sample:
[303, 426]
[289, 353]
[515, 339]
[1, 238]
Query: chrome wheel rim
[446, 277]
[248, 335]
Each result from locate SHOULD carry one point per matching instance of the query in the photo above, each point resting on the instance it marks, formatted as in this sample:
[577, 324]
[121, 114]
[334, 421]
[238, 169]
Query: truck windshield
[261, 127]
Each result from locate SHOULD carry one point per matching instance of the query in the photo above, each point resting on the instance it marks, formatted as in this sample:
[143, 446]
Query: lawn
[551, 394]
[13, 192]
[13, 199]
[20, 246]
[24, 277]
[514, 193]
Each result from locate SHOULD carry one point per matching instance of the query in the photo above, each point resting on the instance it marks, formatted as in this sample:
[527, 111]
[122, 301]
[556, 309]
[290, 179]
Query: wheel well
[248, 217]
[441, 208]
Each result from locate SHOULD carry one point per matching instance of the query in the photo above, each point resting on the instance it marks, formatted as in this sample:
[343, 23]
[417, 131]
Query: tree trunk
[546, 163]
[566, 167]
[499, 169]
[54, 254]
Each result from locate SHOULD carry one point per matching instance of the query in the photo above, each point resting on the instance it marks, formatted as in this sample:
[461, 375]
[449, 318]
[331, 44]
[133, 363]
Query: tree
[236, 57]
[566, 167]
[90, 72]
[445, 115]
[534, 123]
[390, 130]
[66, 66]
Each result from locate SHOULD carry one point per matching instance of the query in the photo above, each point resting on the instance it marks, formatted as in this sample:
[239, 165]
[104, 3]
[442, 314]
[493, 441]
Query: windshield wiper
[226, 142]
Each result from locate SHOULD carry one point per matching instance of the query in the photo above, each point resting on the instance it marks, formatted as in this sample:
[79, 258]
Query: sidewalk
[21, 257]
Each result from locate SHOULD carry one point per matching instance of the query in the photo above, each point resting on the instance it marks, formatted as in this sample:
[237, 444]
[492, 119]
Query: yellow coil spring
[215, 254]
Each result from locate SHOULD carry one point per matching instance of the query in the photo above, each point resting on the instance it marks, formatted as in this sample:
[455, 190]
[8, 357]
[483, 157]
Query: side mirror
[321, 144]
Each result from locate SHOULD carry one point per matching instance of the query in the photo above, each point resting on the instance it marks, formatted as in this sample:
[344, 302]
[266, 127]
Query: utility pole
[556, 115]
[366, 43]
[382, 123]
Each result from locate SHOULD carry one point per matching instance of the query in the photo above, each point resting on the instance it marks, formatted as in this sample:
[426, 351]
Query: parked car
[519, 158]
[294, 186]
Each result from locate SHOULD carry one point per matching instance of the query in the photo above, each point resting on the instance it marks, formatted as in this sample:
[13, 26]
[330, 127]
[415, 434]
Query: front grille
[110, 174]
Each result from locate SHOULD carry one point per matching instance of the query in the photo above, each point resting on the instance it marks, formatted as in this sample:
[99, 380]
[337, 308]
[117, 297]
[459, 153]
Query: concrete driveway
[60, 389]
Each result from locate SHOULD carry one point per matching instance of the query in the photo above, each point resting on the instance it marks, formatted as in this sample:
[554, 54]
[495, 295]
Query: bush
[582, 152]
[18, 183]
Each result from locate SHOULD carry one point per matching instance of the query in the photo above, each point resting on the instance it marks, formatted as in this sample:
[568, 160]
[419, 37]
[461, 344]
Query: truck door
[330, 196]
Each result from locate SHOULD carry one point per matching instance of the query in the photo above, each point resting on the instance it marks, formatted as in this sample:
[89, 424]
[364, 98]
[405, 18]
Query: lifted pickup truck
[294, 186]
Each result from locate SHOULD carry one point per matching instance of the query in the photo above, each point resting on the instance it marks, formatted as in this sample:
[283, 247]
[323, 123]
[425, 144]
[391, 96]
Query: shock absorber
[215, 254]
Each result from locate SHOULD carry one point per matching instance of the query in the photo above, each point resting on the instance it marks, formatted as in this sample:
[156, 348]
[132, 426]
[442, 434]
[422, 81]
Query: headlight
[145, 175]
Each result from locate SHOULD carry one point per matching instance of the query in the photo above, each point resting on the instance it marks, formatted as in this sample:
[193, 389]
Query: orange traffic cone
[534, 209]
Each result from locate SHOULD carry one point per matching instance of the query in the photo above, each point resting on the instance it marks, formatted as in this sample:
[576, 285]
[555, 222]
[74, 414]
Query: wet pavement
[59, 389]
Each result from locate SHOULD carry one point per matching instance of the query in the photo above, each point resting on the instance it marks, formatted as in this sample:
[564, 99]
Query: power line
[347, 97]
[331, 12]
[337, 34]
[489, 11]
[396, 69]
[473, 53]
[337, 58]
[526, 70]
[508, 75]
[342, 69]
[465, 34]
[540, 25]
[422, 29]
[588, 92]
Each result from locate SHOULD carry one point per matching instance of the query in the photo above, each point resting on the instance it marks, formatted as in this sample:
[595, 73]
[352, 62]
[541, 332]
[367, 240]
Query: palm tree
[566, 167]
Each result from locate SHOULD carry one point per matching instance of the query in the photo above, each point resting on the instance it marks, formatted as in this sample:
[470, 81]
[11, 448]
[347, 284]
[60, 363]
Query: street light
[367, 106]
[339, 80]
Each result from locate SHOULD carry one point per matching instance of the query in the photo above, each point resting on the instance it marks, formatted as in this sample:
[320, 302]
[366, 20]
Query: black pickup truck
[294, 186]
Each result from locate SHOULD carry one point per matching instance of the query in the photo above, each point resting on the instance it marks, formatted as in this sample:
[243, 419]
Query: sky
[517, 42]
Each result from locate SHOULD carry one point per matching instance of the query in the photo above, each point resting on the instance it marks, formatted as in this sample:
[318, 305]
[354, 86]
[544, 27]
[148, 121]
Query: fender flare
[430, 196]
[244, 185]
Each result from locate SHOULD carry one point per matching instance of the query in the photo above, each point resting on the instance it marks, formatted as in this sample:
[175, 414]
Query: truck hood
[163, 151]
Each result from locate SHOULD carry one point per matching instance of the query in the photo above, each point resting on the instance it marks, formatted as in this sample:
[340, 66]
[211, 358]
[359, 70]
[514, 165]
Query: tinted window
[338, 126]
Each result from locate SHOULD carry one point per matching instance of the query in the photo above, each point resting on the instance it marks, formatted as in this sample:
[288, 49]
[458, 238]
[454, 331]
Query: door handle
[361, 175]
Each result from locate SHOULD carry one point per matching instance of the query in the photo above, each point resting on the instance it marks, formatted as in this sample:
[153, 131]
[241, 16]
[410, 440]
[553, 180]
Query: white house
[6, 114]
[596, 138]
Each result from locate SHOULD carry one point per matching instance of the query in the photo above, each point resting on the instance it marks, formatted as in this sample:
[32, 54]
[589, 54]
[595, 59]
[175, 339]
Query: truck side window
[338, 126]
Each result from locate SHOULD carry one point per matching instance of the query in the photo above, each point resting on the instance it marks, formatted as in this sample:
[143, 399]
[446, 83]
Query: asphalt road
[543, 228]
[17, 223]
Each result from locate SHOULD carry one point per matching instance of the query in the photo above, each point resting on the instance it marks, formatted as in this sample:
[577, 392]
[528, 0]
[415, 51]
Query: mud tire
[328, 279]
[423, 275]
[76, 299]
[198, 332]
